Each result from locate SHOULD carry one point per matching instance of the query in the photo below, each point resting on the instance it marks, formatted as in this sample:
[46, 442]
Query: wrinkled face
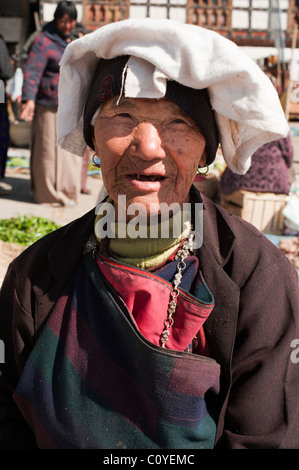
[65, 24]
[149, 151]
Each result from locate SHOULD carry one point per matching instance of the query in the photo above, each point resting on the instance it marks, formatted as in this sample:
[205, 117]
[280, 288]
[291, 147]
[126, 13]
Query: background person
[268, 173]
[6, 72]
[14, 87]
[55, 173]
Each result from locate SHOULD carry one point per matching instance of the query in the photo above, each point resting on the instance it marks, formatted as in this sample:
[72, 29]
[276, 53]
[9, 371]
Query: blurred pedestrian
[14, 87]
[55, 173]
[6, 72]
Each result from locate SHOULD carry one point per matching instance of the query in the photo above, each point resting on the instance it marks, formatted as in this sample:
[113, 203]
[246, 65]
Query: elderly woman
[114, 340]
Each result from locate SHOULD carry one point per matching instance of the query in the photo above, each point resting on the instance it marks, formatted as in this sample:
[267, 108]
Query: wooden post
[289, 88]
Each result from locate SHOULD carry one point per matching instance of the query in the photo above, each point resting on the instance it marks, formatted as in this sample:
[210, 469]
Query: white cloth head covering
[247, 107]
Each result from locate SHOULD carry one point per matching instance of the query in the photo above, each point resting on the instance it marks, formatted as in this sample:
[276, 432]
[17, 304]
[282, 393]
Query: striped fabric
[93, 381]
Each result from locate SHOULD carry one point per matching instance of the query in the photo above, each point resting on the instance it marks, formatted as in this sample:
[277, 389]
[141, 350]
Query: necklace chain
[181, 256]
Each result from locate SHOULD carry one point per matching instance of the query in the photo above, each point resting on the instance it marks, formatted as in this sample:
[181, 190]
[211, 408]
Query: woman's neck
[148, 245]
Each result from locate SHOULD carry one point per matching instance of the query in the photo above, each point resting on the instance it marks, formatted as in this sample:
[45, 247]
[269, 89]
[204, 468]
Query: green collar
[152, 245]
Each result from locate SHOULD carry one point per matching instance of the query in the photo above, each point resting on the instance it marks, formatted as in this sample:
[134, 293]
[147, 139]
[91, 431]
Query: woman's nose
[147, 142]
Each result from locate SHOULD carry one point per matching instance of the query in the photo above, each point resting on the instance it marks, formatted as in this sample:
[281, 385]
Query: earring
[96, 161]
[203, 173]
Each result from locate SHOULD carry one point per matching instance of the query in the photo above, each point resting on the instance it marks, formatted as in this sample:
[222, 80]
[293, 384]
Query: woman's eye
[125, 115]
[124, 119]
[177, 122]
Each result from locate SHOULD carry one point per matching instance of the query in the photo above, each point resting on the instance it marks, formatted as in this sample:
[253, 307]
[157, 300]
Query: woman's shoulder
[62, 244]
[249, 245]
[46, 38]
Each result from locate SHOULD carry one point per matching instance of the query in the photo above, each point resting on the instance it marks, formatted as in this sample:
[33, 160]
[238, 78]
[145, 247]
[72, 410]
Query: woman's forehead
[137, 103]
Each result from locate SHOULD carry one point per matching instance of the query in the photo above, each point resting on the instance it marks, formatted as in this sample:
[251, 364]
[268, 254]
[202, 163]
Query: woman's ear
[203, 159]
[93, 141]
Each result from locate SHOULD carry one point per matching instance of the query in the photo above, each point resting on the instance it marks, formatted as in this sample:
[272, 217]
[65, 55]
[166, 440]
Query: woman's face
[149, 151]
[65, 24]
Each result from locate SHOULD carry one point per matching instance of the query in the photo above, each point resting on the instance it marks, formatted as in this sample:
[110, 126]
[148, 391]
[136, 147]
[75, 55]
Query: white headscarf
[246, 105]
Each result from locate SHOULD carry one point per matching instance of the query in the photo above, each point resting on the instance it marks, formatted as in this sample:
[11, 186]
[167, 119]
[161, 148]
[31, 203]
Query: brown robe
[249, 331]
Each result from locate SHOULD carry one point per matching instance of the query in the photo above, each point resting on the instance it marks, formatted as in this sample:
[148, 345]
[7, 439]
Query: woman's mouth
[146, 183]
[151, 178]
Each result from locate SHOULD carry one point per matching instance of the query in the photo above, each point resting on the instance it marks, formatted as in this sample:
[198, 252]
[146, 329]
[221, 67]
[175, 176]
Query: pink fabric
[147, 297]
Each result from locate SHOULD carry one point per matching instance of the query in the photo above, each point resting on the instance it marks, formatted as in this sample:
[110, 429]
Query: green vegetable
[17, 161]
[25, 230]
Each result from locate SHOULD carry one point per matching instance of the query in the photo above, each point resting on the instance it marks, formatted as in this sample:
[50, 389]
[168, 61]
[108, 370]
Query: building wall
[47, 8]
[246, 22]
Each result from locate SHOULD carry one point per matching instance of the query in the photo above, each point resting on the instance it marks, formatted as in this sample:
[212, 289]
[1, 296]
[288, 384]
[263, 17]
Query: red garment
[147, 297]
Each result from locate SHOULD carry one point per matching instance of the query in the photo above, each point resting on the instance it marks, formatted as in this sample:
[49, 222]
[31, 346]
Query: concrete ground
[20, 202]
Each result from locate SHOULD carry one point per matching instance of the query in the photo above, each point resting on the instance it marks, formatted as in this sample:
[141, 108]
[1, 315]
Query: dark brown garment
[249, 332]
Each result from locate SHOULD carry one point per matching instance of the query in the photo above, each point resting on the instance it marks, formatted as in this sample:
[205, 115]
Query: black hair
[65, 7]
